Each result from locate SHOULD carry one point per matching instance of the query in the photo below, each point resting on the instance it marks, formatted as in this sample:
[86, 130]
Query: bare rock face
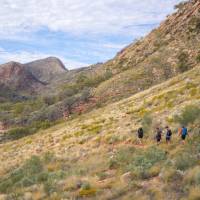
[31, 76]
[46, 69]
[14, 75]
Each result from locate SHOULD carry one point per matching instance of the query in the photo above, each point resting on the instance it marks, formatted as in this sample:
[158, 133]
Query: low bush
[185, 160]
[183, 61]
[145, 160]
[193, 177]
[139, 162]
[17, 133]
[34, 171]
[194, 24]
[198, 58]
[122, 158]
[189, 115]
[171, 175]
[147, 122]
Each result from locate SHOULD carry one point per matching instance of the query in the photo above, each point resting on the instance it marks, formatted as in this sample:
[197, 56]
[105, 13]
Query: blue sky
[79, 32]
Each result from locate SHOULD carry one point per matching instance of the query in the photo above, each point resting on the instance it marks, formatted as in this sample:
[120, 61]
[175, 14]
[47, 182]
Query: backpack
[169, 133]
[159, 134]
[140, 132]
[184, 131]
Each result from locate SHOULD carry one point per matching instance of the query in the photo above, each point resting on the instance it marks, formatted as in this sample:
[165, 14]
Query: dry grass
[85, 145]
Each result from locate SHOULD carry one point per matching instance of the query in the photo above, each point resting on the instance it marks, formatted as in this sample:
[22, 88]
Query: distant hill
[31, 76]
[46, 69]
[16, 76]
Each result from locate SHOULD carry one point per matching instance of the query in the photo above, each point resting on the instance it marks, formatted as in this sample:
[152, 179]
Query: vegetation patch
[189, 114]
[139, 162]
[34, 171]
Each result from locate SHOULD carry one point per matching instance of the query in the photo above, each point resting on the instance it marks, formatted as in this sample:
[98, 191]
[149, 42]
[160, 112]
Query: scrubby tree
[183, 61]
[85, 95]
[49, 100]
[68, 103]
[189, 115]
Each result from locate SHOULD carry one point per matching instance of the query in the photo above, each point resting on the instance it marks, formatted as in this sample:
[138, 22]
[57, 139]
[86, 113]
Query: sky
[79, 32]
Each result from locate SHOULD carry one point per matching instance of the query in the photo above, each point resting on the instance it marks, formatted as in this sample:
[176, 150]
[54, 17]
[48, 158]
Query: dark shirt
[169, 133]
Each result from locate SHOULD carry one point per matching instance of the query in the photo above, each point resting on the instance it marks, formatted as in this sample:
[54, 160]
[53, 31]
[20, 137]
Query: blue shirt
[184, 131]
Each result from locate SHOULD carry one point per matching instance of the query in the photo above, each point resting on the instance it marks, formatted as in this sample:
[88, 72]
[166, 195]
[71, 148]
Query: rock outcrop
[16, 76]
[46, 69]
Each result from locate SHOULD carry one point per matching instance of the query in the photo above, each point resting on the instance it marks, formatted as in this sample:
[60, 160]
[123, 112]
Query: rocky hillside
[15, 76]
[170, 49]
[167, 51]
[46, 69]
[97, 155]
[31, 76]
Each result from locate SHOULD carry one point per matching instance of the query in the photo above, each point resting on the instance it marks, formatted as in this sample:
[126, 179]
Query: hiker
[158, 135]
[140, 134]
[168, 135]
[183, 133]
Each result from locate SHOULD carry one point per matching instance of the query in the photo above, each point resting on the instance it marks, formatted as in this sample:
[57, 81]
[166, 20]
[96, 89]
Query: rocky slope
[46, 69]
[31, 76]
[170, 49]
[15, 76]
[167, 51]
[97, 156]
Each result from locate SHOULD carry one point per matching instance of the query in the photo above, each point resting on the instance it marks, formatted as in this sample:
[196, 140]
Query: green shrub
[193, 176]
[183, 61]
[102, 175]
[198, 58]
[49, 186]
[145, 160]
[42, 124]
[123, 157]
[147, 122]
[17, 133]
[185, 160]
[19, 108]
[32, 172]
[179, 5]
[194, 24]
[188, 115]
[48, 157]
[138, 161]
[86, 186]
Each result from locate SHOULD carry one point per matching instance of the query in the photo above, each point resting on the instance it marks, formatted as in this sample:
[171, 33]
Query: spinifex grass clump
[138, 161]
[34, 171]
[189, 115]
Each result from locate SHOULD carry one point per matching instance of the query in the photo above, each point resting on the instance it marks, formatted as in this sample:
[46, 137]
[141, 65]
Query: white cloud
[80, 16]
[21, 19]
[24, 57]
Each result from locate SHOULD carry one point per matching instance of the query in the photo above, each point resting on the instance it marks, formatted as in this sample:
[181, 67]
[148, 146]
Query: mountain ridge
[45, 69]
[32, 75]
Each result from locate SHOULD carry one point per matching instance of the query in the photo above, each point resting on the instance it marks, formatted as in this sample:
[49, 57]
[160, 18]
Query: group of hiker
[183, 132]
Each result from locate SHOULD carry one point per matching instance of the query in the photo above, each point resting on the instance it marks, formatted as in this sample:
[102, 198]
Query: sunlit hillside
[97, 155]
